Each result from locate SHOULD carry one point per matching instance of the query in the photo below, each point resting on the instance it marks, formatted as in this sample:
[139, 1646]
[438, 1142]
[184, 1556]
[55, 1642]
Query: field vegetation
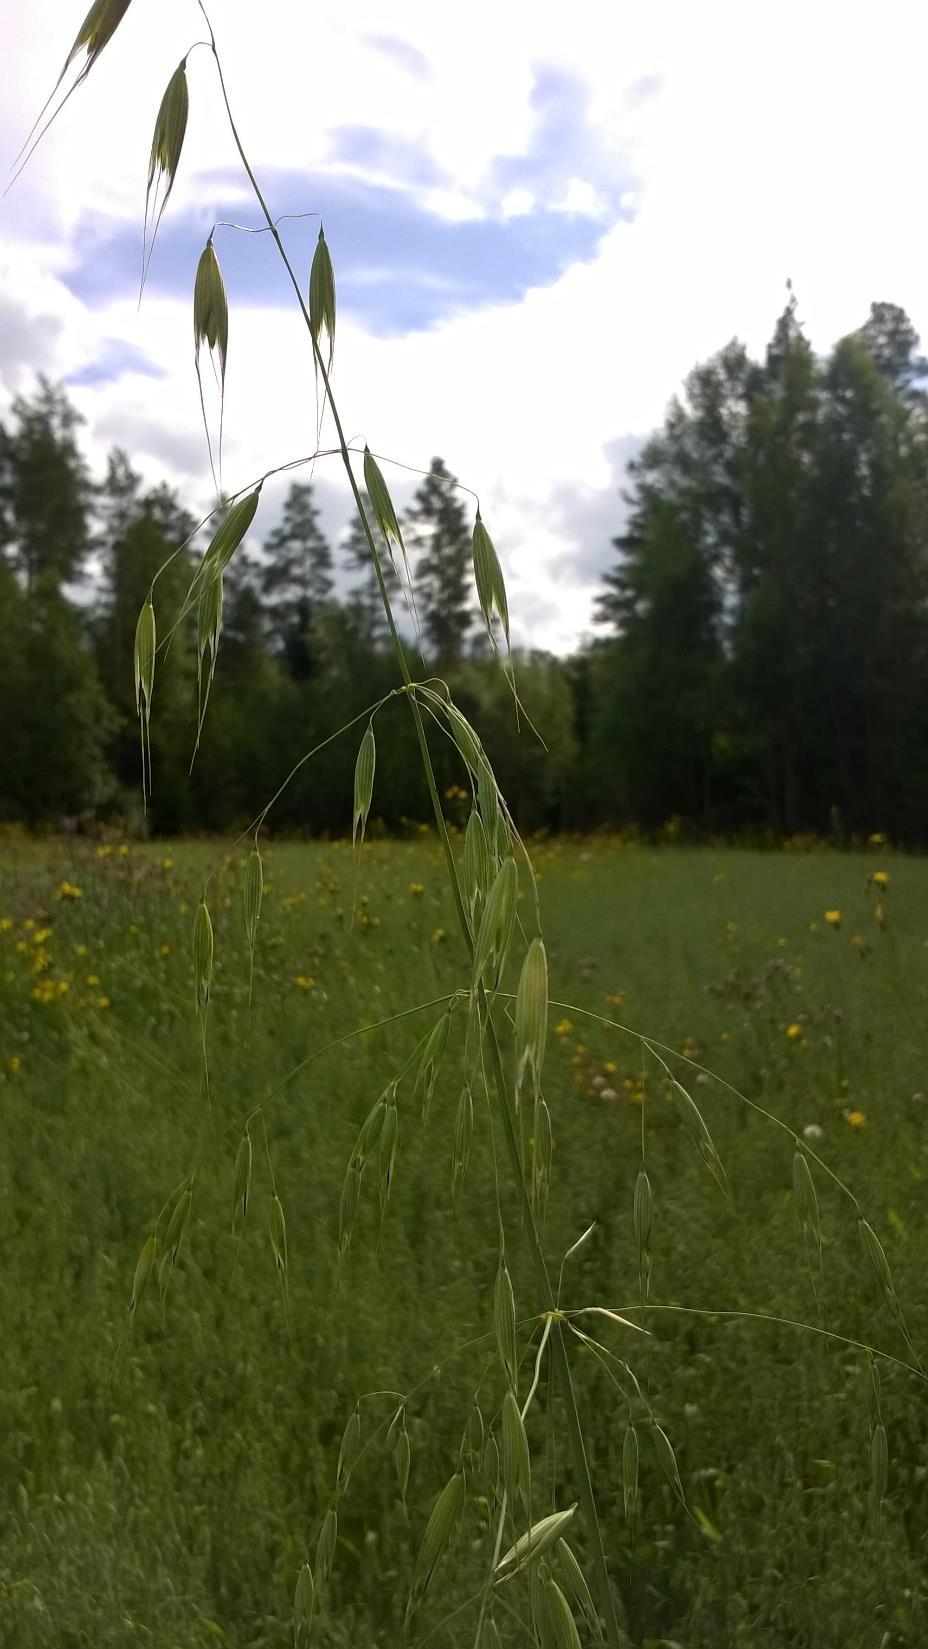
[160, 1488]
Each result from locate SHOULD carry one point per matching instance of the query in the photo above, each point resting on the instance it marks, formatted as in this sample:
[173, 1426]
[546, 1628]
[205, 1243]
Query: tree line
[758, 665]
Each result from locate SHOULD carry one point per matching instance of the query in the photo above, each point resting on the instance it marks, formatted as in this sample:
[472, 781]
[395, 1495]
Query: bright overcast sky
[541, 216]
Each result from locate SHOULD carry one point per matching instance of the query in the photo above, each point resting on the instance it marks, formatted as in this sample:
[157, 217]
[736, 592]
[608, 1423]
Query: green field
[167, 1498]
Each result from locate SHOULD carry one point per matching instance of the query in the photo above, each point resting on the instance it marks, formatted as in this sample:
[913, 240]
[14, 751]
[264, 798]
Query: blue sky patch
[399, 266]
[114, 360]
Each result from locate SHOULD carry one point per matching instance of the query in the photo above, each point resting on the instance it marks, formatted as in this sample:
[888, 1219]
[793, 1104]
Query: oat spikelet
[532, 1017]
[252, 896]
[386, 517]
[145, 648]
[504, 1321]
[166, 148]
[495, 931]
[211, 327]
[363, 784]
[304, 1606]
[643, 1212]
[439, 1531]
[561, 1628]
[348, 1452]
[515, 1452]
[533, 1545]
[94, 34]
[325, 1545]
[630, 1472]
[322, 296]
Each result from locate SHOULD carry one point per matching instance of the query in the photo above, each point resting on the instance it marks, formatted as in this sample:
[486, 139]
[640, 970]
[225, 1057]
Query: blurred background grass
[170, 1502]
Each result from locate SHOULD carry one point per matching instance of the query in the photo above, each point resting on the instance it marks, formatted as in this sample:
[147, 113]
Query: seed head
[504, 1321]
[430, 1063]
[322, 295]
[496, 922]
[873, 1395]
[228, 536]
[364, 782]
[177, 1225]
[278, 1233]
[241, 1181]
[304, 1604]
[211, 308]
[348, 1452]
[439, 1530]
[143, 1271]
[166, 145]
[402, 1458]
[561, 1628]
[348, 1206]
[96, 31]
[144, 659]
[532, 1016]
[370, 1131]
[463, 1134]
[630, 1472]
[515, 1452]
[879, 1466]
[388, 1136]
[252, 895]
[643, 1218]
[667, 1460]
[488, 576]
[477, 872]
[575, 1584]
[325, 1545]
[202, 956]
[533, 1545]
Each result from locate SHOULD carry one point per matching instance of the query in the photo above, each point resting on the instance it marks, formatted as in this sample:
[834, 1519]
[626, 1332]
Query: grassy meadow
[165, 1497]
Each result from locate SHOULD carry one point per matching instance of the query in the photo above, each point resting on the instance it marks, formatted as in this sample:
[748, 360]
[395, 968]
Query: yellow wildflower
[833, 918]
[165, 950]
[416, 889]
[80, 950]
[123, 849]
[67, 890]
[6, 922]
[92, 979]
[438, 936]
[857, 1119]
[616, 999]
[104, 850]
[14, 1064]
[881, 878]
[563, 1027]
[167, 864]
[103, 1001]
[794, 1032]
[877, 839]
[41, 935]
[304, 981]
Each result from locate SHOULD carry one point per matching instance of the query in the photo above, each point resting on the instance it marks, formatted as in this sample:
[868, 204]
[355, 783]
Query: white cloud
[783, 140]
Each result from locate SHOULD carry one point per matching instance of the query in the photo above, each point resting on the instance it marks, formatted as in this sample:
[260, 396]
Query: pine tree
[439, 531]
[366, 600]
[45, 491]
[296, 579]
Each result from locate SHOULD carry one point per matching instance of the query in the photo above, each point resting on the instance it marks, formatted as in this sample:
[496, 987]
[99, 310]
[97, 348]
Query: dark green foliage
[766, 616]
[770, 603]
[440, 531]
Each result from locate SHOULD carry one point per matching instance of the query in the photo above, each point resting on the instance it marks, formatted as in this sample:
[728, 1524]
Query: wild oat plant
[532, 1570]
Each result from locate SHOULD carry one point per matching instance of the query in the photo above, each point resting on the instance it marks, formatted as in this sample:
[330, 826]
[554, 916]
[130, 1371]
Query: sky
[540, 218]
